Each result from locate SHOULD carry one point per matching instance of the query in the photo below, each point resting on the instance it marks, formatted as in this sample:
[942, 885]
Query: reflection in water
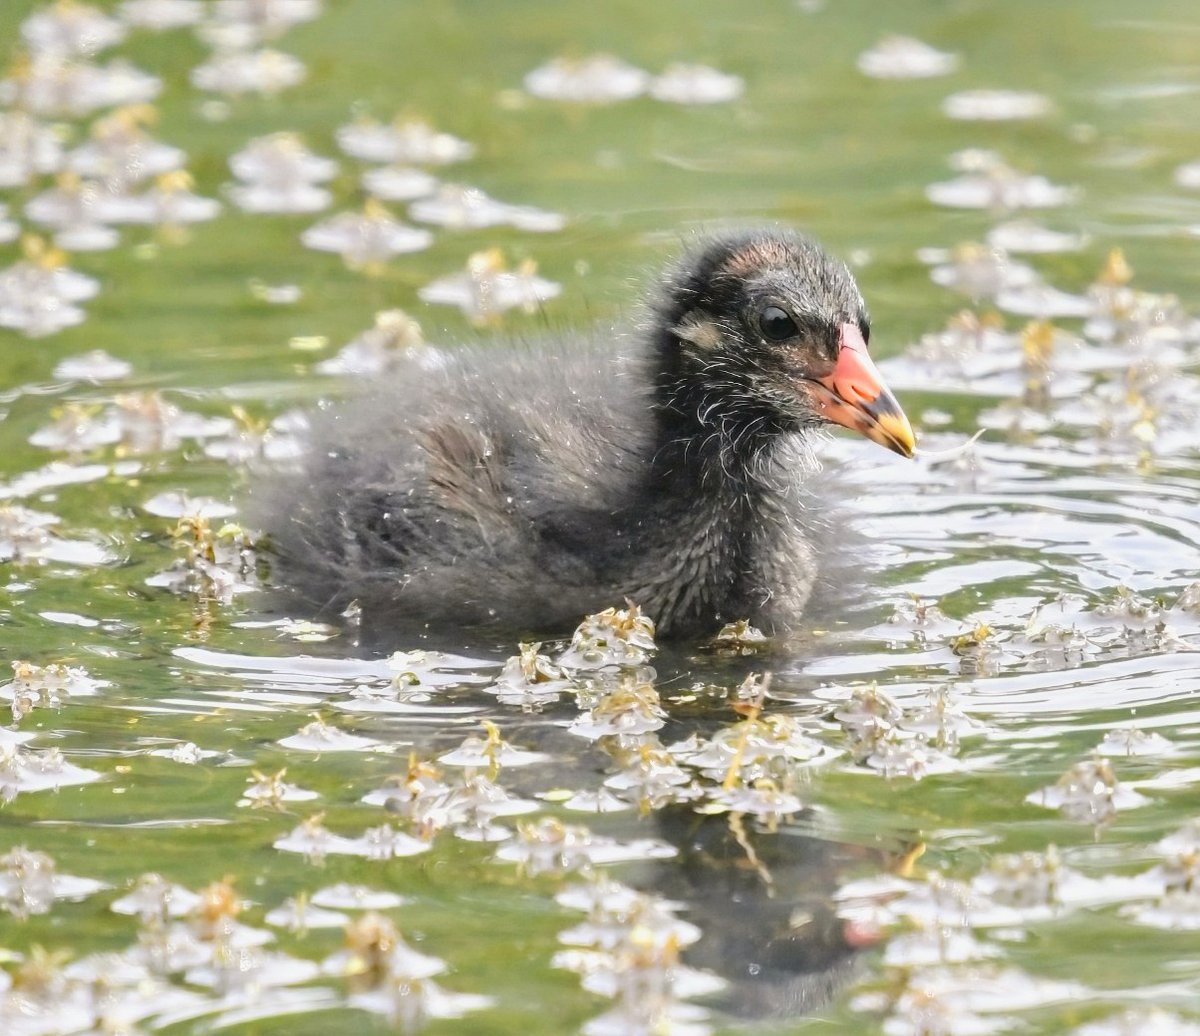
[763, 901]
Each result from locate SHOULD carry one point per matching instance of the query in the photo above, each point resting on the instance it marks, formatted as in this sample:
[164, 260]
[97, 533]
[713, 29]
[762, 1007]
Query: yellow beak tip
[897, 433]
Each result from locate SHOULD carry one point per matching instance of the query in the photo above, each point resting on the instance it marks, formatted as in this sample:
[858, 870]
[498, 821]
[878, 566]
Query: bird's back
[473, 491]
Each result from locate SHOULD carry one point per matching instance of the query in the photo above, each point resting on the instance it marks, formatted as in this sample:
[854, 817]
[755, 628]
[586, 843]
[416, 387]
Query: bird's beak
[854, 396]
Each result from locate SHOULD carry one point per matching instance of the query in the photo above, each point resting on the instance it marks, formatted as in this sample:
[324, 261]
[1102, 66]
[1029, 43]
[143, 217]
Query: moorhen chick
[527, 487]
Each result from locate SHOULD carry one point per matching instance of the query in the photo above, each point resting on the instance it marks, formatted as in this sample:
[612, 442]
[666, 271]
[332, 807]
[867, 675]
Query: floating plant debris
[28, 770]
[650, 778]
[1042, 301]
[490, 752]
[279, 174]
[375, 946]
[901, 742]
[25, 536]
[265, 71]
[277, 294]
[1041, 886]
[77, 210]
[599, 79]
[366, 240]
[463, 208]
[156, 899]
[121, 153]
[1027, 236]
[1131, 742]
[180, 505]
[613, 637]
[271, 791]
[902, 57]
[396, 337]
[171, 201]
[38, 295]
[299, 914]
[405, 141]
[996, 105]
[28, 148]
[314, 842]
[643, 974]
[50, 686]
[758, 748]
[631, 708]
[250, 439]
[140, 422]
[188, 753]
[355, 897]
[738, 638]
[267, 17]
[22, 532]
[96, 365]
[488, 288]
[470, 807]
[394, 980]
[981, 272]
[695, 84]
[56, 86]
[216, 564]
[30, 883]
[409, 1002]
[1088, 791]
[530, 679]
[318, 736]
[549, 846]
[398, 182]
[70, 28]
[160, 15]
[988, 182]
[1188, 175]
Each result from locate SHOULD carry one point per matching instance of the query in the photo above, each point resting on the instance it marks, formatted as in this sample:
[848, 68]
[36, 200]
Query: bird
[525, 485]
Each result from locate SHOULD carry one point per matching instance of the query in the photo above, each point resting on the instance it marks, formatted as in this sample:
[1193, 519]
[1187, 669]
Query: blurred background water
[1017, 676]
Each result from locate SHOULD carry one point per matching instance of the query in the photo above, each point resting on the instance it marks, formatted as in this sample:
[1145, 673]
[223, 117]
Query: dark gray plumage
[528, 487]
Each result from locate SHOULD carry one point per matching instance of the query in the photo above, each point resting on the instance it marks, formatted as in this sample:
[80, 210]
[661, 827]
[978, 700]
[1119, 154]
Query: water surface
[1028, 625]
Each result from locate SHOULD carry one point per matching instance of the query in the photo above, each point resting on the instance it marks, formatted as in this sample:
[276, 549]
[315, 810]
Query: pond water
[963, 802]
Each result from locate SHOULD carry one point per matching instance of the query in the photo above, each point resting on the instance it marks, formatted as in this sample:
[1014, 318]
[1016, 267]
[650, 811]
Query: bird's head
[765, 330]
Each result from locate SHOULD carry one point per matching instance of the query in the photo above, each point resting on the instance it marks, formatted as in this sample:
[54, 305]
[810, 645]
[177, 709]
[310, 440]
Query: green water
[812, 143]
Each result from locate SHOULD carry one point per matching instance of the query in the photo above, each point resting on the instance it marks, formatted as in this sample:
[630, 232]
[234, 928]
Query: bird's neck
[702, 430]
[723, 458]
[713, 507]
[718, 504]
[728, 454]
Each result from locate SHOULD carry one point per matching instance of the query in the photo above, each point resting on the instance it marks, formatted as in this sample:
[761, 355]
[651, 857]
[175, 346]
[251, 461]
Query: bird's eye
[776, 325]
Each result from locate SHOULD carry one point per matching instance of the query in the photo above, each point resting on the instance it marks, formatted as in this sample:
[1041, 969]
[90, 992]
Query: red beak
[854, 396]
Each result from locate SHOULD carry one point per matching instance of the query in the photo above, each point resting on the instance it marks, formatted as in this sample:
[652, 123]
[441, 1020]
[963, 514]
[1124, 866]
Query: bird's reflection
[764, 902]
